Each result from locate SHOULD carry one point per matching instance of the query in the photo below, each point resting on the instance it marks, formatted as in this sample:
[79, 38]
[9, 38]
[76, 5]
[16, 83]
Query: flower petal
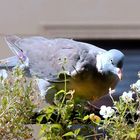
[3, 74]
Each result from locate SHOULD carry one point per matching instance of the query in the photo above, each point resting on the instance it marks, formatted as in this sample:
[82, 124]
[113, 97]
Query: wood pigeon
[90, 71]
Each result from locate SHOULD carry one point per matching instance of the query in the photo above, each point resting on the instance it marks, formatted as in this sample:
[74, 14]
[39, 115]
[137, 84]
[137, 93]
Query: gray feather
[49, 57]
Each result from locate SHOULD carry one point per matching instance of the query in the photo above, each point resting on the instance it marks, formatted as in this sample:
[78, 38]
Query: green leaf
[43, 129]
[68, 134]
[43, 138]
[56, 126]
[76, 132]
[133, 135]
[80, 138]
[59, 92]
[4, 101]
[86, 118]
[49, 111]
[39, 118]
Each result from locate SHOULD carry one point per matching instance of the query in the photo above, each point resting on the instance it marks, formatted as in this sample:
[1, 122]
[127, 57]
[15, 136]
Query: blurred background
[107, 24]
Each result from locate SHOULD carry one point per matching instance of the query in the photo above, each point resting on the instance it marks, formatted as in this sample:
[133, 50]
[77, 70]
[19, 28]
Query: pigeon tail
[9, 62]
[11, 41]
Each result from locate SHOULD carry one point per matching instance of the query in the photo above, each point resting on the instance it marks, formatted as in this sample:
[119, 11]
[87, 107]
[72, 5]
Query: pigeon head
[111, 62]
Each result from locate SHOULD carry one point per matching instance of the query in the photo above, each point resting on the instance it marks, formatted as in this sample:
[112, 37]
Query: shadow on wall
[4, 50]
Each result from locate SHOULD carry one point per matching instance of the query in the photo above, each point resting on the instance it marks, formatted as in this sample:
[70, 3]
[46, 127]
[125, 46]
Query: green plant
[67, 118]
[16, 106]
[124, 120]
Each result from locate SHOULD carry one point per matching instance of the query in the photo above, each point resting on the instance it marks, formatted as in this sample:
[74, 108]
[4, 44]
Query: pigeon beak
[119, 73]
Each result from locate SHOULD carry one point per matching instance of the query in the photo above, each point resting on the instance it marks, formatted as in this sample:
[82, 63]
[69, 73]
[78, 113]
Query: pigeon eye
[112, 62]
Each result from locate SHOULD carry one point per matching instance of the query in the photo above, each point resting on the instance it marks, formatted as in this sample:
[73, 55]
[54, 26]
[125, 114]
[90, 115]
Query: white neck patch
[99, 62]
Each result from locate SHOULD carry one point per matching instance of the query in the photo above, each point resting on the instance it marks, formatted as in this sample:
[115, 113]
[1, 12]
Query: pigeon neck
[99, 62]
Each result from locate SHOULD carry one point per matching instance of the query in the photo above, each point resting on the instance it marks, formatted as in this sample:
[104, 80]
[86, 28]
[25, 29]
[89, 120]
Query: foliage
[124, 124]
[66, 118]
[16, 106]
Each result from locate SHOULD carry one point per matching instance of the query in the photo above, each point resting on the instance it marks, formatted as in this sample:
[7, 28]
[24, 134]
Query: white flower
[138, 83]
[127, 96]
[106, 111]
[138, 112]
[136, 86]
[3, 75]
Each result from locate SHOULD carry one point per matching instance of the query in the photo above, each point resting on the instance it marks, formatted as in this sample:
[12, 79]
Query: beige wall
[4, 50]
[71, 18]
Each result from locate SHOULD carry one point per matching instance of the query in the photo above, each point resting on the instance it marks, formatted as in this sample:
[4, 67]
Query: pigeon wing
[49, 58]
